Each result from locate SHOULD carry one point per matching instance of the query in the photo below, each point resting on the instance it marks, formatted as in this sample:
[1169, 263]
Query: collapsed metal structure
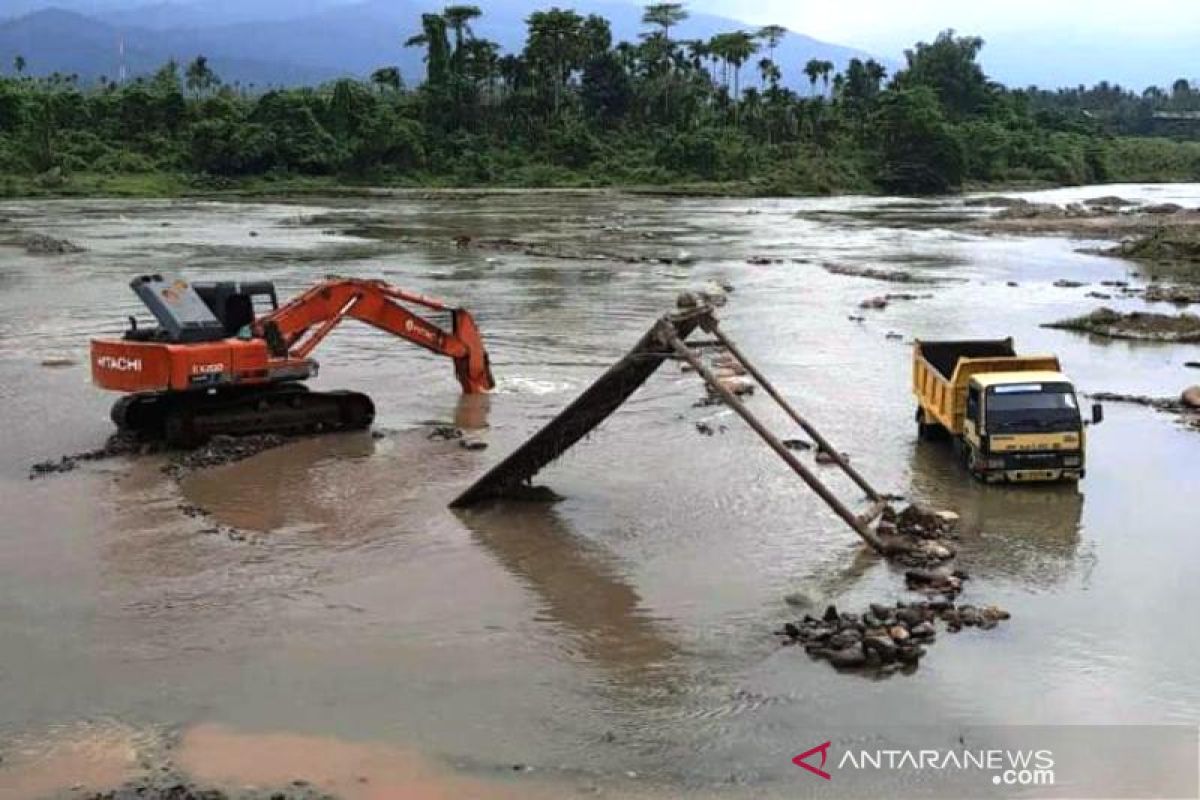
[667, 340]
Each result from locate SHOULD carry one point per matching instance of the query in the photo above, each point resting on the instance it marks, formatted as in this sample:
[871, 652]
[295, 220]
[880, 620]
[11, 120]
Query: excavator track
[189, 419]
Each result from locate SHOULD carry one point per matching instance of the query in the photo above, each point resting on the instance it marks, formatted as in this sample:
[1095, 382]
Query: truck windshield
[1032, 408]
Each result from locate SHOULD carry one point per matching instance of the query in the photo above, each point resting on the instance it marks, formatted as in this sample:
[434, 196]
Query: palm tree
[386, 78]
[768, 72]
[772, 35]
[826, 68]
[554, 46]
[697, 50]
[433, 37]
[740, 47]
[199, 77]
[876, 72]
[813, 70]
[458, 19]
[19, 64]
[664, 15]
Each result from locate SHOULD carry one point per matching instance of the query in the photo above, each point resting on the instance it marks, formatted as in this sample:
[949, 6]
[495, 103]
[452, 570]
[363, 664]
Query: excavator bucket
[474, 370]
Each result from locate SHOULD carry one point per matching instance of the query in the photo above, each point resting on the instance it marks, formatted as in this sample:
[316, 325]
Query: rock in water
[1191, 397]
[40, 244]
[849, 657]
[881, 647]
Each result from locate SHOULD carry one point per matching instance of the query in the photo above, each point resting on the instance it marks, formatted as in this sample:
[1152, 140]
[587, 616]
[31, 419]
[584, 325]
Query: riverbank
[815, 177]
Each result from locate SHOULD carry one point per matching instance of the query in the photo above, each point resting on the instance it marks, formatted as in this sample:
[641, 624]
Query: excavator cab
[199, 312]
[237, 304]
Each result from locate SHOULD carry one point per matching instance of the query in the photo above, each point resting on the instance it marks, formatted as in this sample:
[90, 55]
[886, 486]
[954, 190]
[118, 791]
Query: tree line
[574, 107]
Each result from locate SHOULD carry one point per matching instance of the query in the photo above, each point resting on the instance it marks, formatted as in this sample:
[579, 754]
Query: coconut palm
[772, 35]
[813, 70]
[458, 19]
[665, 16]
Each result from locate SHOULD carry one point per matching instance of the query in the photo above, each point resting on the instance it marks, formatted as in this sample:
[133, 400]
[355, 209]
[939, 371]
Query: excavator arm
[299, 326]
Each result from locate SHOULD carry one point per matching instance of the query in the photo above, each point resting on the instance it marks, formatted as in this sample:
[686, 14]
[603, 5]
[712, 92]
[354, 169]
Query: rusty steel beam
[822, 443]
[860, 526]
[587, 411]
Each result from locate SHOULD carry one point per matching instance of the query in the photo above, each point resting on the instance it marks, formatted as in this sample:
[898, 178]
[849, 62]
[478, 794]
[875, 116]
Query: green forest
[574, 108]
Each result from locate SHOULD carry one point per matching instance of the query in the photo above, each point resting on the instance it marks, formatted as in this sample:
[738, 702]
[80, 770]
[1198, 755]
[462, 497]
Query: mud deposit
[617, 642]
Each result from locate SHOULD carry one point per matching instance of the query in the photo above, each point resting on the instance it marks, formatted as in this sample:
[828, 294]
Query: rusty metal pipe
[822, 442]
[849, 517]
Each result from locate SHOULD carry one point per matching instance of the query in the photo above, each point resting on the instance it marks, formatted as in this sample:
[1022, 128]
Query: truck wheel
[925, 430]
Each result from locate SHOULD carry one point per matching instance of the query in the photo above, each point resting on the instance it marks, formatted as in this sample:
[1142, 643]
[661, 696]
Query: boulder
[849, 657]
[994, 613]
[910, 655]
[737, 385]
[881, 647]
[1163, 208]
[825, 457]
[882, 612]
[924, 630]
[844, 638]
[1108, 201]
[1191, 397]
[947, 517]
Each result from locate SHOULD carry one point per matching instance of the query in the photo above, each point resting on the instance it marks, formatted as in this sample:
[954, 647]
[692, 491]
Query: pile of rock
[39, 244]
[119, 444]
[1179, 295]
[884, 638]
[449, 433]
[1143, 325]
[888, 275]
[918, 536]
[730, 374]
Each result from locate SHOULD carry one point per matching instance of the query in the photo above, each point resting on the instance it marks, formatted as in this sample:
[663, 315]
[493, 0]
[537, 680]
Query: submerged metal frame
[667, 339]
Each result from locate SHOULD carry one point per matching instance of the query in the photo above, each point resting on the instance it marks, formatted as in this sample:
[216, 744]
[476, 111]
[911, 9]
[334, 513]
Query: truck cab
[1023, 426]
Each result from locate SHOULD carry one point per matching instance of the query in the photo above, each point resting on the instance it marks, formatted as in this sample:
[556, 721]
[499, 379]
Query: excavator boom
[306, 320]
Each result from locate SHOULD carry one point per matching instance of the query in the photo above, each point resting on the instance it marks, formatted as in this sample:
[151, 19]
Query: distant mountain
[307, 41]
[70, 43]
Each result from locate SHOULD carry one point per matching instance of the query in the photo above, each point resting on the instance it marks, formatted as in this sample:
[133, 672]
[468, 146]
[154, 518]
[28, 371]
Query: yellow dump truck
[1012, 417]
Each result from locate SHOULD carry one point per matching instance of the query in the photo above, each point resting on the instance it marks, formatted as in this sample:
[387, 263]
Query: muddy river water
[620, 640]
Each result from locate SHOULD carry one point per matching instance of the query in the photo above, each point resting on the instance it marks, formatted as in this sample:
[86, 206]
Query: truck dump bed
[942, 370]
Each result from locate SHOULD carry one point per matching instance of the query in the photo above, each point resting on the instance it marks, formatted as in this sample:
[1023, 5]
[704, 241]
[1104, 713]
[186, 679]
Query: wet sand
[626, 629]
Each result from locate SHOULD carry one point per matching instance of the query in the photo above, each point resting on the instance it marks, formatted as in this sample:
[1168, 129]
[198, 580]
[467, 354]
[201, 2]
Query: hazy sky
[893, 25]
[1048, 42]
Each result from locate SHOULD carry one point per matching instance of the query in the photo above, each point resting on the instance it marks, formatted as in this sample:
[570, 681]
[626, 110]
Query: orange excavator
[227, 358]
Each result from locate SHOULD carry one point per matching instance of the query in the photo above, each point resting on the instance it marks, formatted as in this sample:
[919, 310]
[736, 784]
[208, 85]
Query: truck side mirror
[1097, 413]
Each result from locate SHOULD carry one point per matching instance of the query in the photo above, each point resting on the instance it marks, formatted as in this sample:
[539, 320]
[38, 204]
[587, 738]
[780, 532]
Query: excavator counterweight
[226, 357]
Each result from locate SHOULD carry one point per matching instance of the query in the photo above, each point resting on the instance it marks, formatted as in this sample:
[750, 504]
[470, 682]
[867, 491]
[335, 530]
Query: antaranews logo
[823, 749]
[1006, 767]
